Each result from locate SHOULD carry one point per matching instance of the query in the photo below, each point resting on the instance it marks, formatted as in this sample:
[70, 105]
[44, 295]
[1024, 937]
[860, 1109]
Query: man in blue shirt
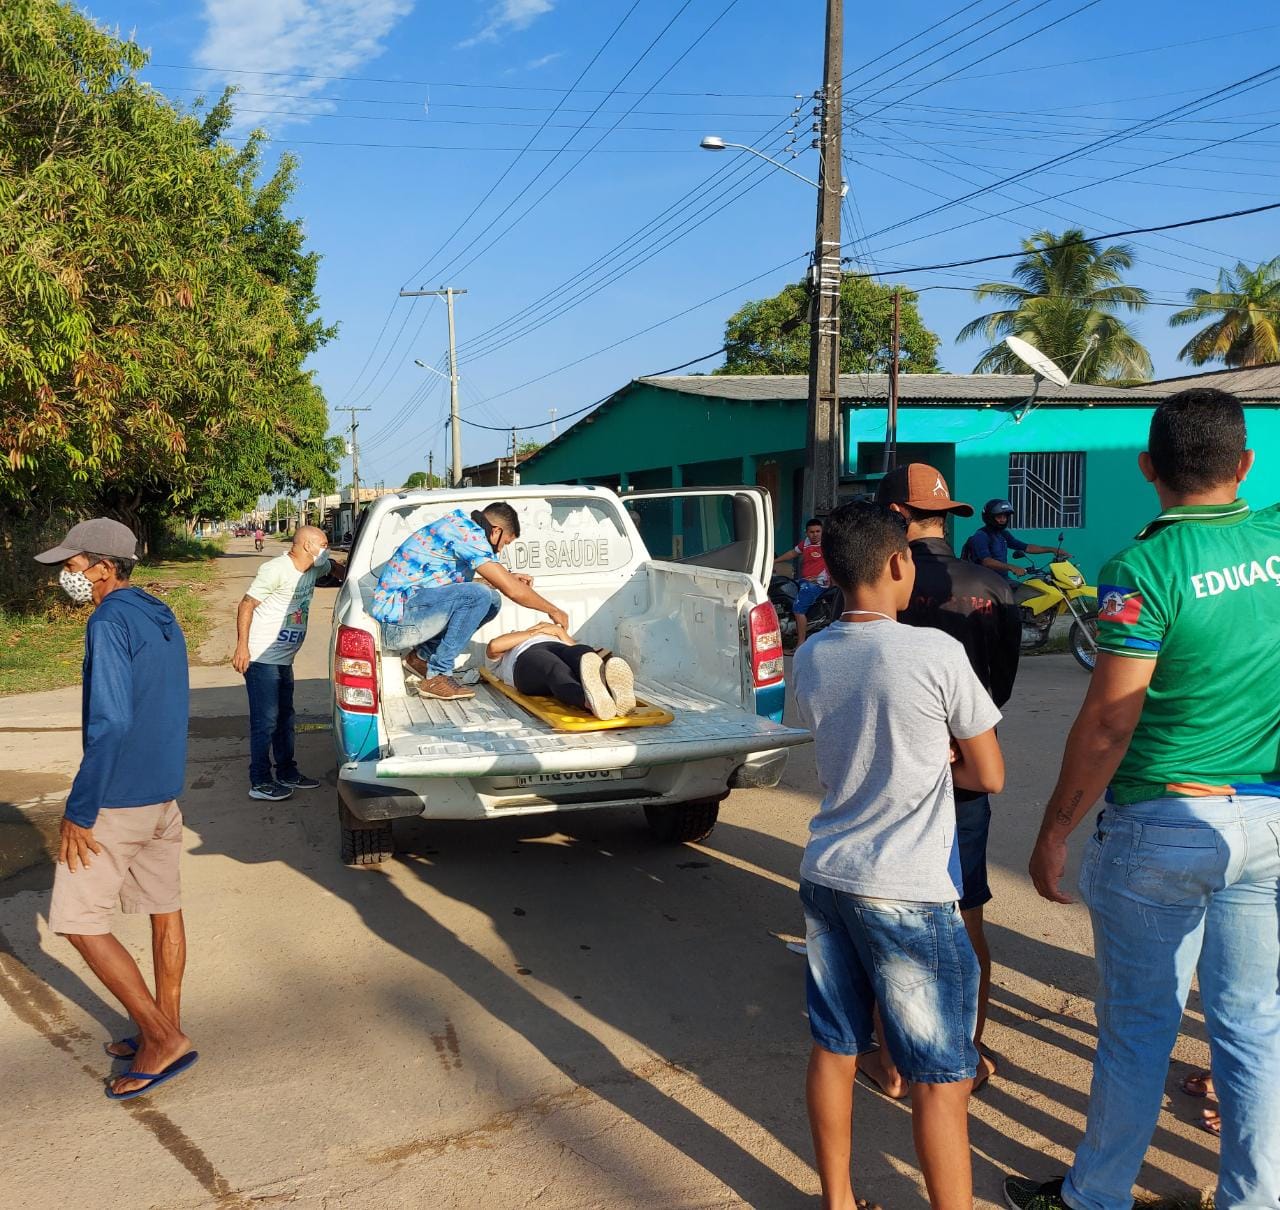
[122, 830]
[426, 597]
[991, 545]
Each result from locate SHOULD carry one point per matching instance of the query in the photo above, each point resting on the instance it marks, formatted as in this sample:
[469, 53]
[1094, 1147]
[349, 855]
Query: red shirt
[812, 565]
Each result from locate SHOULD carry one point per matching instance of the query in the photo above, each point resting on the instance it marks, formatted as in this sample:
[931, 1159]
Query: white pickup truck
[673, 581]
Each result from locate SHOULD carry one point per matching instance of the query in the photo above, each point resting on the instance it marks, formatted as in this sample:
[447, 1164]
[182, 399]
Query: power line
[1112, 178]
[1090, 239]
[1253, 81]
[977, 260]
[641, 255]
[520, 155]
[560, 419]
[303, 75]
[564, 175]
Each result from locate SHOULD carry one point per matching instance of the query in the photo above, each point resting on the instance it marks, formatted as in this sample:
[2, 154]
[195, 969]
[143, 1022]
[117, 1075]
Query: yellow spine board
[565, 718]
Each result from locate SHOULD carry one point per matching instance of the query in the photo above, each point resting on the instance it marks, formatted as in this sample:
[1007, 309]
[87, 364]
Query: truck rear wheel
[363, 842]
[682, 822]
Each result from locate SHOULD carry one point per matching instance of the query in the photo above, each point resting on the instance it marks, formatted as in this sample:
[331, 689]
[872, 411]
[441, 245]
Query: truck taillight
[766, 645]
[354, 679]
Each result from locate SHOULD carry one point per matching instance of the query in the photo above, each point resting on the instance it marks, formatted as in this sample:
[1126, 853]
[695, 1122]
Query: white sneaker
[621, 682]
[599, 701]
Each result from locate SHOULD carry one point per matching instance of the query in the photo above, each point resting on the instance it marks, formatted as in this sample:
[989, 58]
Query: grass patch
[179, 548]
[44, 649]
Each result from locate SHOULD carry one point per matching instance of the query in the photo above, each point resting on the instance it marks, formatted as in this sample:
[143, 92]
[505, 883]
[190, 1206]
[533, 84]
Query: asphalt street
[548, 1011]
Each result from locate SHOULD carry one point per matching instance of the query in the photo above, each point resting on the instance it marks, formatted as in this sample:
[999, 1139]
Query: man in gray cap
[122, 830]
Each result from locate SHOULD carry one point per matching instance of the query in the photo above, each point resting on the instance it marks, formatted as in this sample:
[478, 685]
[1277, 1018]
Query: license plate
[570, 779]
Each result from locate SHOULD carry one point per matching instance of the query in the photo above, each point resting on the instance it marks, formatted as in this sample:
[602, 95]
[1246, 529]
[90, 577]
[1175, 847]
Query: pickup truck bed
[490, 734]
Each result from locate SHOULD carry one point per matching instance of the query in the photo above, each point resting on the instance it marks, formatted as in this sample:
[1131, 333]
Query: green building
[1068, 462]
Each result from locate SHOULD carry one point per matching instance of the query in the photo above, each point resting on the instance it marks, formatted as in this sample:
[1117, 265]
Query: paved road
[537, 1011]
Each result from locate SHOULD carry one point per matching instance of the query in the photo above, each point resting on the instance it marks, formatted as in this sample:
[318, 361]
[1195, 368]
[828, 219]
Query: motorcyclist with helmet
[991, 545]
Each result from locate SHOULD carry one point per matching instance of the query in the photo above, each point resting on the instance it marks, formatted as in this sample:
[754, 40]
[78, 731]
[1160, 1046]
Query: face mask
[322, 561]
[76, 585]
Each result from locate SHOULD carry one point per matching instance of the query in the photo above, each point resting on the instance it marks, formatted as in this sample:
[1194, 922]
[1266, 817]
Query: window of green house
[1047, 490]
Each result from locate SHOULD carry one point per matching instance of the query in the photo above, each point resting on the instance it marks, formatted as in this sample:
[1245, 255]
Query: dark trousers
[270, 689]
[554, 670]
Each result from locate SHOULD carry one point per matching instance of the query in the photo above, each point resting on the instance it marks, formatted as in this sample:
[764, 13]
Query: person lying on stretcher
[546, 660]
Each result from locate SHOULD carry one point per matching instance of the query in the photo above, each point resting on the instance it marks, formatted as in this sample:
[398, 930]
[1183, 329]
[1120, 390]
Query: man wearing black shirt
[976, 607]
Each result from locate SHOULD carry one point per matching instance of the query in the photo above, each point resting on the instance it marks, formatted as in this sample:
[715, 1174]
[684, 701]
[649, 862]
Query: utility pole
[553, 412]
[514, 459]
[455, 424]
[822, 441]
[431, 469]
[355, 465]
[891, 418]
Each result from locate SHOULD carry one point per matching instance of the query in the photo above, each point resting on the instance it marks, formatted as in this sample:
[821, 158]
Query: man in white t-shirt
[271, 623]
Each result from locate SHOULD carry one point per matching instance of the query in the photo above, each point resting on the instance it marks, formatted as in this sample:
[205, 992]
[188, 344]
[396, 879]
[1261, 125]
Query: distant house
[494, 472]
[1069, 464]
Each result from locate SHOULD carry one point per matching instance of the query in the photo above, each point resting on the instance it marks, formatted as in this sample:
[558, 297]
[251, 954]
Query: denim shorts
[914, 959]
[973, 822]
[810, 591]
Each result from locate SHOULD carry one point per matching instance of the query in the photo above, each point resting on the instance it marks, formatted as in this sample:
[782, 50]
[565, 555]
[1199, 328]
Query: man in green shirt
[1182, 875]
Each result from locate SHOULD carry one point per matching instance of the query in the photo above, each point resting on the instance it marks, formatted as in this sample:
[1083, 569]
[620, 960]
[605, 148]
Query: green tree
[528, 447]
[1063, 300]
[771, 335]
[157, 303]
[422, 479]
[1246, 331]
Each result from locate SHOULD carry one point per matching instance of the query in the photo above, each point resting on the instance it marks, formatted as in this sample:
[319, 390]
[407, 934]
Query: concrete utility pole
[431, 469]
[355, 464]
[455, 424]
[553, 412]
[891, 418]
[822, 453]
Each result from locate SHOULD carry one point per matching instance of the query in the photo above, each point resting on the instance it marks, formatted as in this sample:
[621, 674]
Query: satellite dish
[1031, 357]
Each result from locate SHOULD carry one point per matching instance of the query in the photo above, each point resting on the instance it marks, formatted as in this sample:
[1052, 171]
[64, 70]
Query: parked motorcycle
[783, 591]
[257, 544]
[1048, 593]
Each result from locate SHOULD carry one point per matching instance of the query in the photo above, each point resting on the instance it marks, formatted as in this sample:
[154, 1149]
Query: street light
[713, 142]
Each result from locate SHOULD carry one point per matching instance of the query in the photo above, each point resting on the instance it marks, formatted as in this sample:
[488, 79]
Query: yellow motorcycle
[1049, 592]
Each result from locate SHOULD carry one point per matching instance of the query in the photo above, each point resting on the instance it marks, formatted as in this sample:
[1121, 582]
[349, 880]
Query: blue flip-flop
[135, 1042]
[176, 1068]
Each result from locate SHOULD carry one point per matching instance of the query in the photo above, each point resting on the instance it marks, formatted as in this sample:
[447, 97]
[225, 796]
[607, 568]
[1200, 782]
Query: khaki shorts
[137, 870]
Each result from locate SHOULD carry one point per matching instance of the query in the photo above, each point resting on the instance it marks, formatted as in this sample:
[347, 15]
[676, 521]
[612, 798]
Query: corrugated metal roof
[912, 388]
[1256, 383]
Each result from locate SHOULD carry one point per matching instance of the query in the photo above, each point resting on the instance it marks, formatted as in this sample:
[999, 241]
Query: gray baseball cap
[101, 536]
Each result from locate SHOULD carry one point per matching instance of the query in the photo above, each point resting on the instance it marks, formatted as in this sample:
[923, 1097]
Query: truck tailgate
[491, 735]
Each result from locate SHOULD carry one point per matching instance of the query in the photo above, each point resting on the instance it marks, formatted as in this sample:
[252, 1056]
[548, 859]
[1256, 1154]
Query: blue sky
[940, 103]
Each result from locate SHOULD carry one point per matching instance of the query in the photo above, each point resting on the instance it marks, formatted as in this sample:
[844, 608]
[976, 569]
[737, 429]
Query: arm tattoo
[1066, 817]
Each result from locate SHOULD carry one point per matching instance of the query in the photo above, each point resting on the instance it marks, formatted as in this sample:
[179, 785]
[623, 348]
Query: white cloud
[543, 61]
[318, 37]
[509, 16]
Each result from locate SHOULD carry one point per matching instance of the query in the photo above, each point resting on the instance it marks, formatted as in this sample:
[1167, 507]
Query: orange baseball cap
[919, 485]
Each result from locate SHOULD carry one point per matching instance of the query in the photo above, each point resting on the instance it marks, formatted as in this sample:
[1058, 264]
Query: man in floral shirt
[427, 598]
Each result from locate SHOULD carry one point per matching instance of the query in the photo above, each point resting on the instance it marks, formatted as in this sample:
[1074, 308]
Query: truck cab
[672, 581]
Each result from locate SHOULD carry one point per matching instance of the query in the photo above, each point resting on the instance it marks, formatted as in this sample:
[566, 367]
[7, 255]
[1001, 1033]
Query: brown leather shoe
[416, 664]
[444, 688]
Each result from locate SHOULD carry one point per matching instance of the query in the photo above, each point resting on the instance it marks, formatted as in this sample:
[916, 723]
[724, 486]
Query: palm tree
[1247, 330]
[1060, 298]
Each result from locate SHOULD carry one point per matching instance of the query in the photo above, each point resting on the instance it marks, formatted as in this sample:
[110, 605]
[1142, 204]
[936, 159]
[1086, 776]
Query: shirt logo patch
[1119, 604]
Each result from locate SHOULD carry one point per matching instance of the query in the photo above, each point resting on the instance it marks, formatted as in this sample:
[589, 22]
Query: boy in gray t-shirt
[897, 715]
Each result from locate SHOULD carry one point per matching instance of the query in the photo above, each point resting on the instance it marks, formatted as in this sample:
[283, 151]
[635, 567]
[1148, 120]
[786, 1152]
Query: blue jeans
[914, 959]
[973, 825]
[1176, 887]
[270, 689]
[438, 621]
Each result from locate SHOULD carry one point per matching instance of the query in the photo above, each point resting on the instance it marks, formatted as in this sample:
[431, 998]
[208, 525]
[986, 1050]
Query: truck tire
[364, 843]
[682, 822]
